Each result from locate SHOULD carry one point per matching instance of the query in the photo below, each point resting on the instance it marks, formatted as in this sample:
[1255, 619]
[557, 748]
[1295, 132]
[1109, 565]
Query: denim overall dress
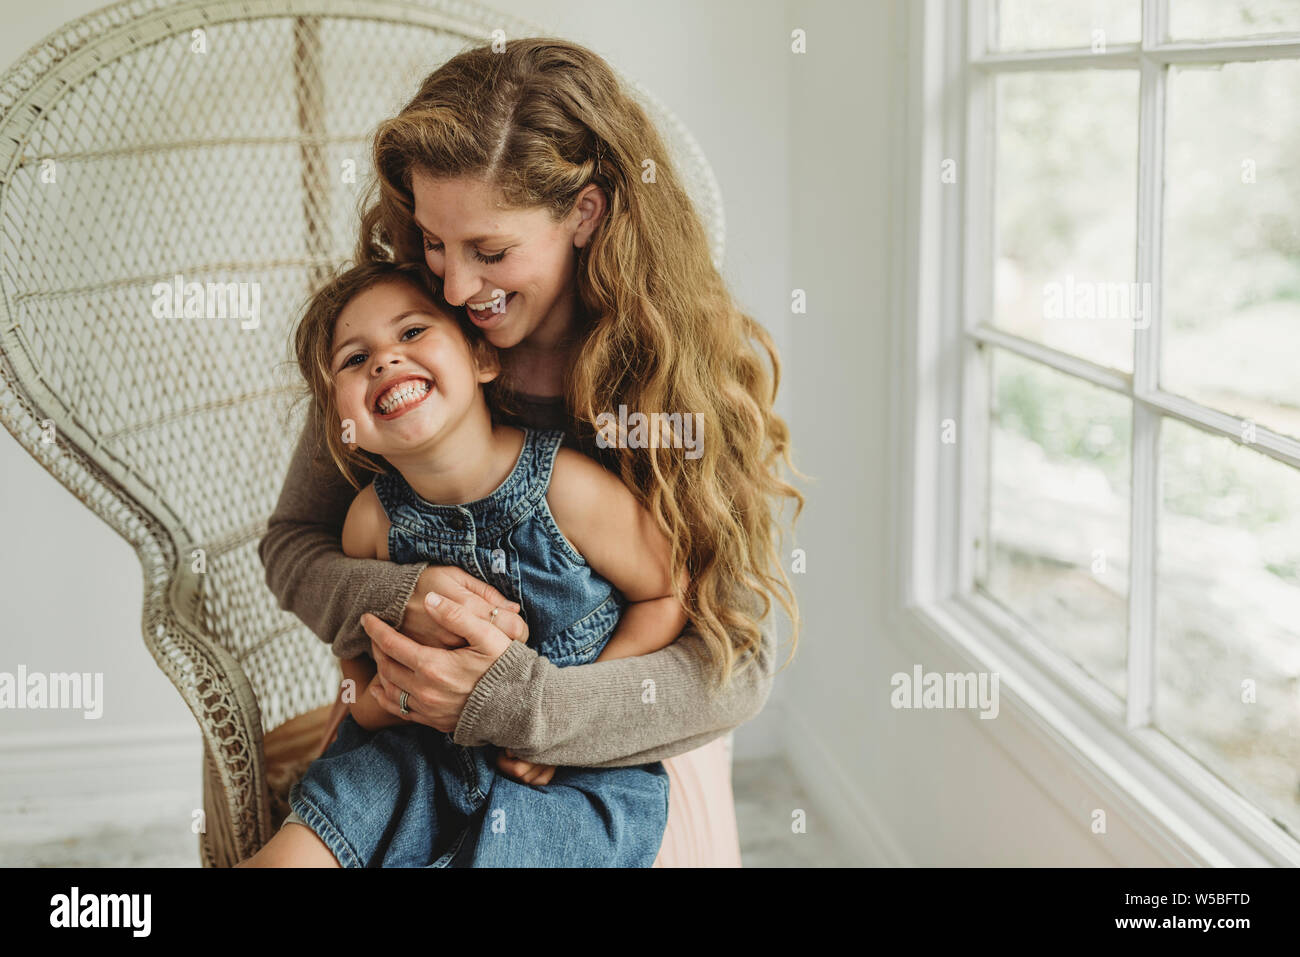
[407, 796]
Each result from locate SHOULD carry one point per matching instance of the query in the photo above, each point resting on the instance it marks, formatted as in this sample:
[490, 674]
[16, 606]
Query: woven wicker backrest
[209, 141]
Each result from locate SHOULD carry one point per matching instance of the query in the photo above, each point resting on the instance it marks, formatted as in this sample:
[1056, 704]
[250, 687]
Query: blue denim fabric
[408, 796]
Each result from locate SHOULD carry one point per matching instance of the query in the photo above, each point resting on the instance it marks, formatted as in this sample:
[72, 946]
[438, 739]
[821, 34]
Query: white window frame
[1081, 743]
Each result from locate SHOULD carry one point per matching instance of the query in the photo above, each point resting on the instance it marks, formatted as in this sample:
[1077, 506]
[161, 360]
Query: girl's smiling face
[404, 373]
[518, 264]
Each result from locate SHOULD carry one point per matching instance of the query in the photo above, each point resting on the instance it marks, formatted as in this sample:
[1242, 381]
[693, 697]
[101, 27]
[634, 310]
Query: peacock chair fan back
[153, 145]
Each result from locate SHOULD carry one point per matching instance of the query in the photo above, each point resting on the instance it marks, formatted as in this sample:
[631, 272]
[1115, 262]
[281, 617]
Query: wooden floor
[157, 832]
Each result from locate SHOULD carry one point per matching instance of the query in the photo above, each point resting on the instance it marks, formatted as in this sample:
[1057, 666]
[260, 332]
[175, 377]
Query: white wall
[70, 588]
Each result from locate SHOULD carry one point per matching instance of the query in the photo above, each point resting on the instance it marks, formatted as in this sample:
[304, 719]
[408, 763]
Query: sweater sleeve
[302, 553]
[614, 713]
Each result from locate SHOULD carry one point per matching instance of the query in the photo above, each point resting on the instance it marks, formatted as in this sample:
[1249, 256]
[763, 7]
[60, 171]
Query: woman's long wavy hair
[659, 331]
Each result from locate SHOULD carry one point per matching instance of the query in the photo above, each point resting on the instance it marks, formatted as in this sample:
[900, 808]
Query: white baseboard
[105, 763]
[856, 823]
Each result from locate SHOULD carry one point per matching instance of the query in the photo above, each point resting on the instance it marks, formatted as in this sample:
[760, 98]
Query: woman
[521, 179]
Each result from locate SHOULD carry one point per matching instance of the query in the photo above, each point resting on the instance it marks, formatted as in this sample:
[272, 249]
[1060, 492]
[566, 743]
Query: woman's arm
[496, 691]
[628, 708]
[614, 713]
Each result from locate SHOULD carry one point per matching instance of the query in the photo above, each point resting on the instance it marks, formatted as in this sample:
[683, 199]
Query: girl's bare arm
[606, 525]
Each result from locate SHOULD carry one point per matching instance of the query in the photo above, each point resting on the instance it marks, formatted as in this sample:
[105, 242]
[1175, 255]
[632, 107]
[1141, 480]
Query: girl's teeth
[406, 393]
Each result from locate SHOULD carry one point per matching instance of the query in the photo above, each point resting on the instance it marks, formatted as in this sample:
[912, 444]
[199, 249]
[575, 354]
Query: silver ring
[492, 618]
[401, 702]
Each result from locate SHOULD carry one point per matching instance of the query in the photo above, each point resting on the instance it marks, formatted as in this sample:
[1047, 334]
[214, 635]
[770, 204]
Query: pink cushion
[701, 828]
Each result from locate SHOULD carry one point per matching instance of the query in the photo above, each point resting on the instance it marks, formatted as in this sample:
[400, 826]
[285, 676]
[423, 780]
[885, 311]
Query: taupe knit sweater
[580, 716]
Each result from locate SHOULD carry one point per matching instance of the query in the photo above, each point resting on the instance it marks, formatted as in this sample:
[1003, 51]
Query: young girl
[553, 531]
[518, 175]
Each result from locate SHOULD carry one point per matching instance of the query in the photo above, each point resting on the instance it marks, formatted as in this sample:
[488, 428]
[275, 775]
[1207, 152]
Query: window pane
[1059, 512]
[1228, 613]
[1195, 19]
[1054, 24]
[1065, 218]
[1232, 243]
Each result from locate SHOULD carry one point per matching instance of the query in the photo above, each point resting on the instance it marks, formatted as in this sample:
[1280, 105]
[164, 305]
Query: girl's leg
[294, 845]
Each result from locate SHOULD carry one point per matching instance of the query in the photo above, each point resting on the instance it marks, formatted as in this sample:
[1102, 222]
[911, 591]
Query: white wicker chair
[208, 140]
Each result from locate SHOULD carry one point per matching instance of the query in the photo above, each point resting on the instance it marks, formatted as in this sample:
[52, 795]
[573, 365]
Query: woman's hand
[478, 598]
[438, 679]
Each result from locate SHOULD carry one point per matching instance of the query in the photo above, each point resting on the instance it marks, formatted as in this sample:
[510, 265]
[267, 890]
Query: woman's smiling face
[519, 265]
